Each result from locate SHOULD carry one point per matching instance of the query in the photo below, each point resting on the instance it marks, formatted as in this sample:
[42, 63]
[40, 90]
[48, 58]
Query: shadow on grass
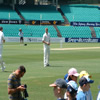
[55, 66]
[8, 71]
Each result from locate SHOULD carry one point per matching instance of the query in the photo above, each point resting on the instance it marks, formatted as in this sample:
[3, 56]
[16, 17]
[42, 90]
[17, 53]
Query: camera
[25, 93]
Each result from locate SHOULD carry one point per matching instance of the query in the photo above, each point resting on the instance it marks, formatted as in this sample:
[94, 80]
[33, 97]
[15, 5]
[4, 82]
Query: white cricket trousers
[1, 61]
[46, 54]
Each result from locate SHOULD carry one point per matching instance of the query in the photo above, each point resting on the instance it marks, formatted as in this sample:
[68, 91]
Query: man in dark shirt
[14, 84]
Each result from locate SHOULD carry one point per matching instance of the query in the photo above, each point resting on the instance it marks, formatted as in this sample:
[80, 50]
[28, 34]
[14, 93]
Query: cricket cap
[59, 83]
[72, 86]
[84, 73]
[84, 80]
[73, 72]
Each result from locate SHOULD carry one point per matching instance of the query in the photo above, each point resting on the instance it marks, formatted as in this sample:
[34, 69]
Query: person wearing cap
[21, 35]
[84, 83]
[2, 40]
[60, 87]
[71, 90]
[88, 93]
[72, 75]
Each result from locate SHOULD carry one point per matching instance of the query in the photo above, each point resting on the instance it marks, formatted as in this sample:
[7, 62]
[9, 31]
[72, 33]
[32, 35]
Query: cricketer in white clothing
[2, 40]
[46, 41]
[98, 97]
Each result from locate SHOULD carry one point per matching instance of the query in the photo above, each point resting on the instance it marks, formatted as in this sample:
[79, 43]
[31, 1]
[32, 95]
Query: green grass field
[37, 77]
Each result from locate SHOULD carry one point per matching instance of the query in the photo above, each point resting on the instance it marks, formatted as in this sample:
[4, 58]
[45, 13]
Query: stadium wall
[32, 39]
[56, 40]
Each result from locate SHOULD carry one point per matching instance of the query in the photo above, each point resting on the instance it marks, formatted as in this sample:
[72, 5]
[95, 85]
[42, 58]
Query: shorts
[21, 38]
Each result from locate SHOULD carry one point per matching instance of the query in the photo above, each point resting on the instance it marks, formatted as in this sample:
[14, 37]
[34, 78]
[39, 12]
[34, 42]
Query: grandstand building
[64, 19]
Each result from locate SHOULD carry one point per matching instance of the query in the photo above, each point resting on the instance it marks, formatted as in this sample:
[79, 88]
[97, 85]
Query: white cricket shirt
[1, 37]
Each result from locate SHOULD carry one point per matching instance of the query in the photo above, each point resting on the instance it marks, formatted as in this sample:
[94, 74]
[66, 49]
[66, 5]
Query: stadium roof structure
[28, 2]
[47, 2]
[22, 2]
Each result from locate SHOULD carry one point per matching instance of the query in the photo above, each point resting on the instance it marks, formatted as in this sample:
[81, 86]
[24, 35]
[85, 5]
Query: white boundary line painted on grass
[83, 48]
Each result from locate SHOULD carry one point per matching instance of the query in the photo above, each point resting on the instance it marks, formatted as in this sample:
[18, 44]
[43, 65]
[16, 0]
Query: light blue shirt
[88, 94]
[20, 34]
[81, 96]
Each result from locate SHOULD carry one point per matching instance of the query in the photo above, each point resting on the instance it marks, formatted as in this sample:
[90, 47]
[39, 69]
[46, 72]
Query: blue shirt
[81, 96]
[20, 34]
[87, 93]
[66, 78]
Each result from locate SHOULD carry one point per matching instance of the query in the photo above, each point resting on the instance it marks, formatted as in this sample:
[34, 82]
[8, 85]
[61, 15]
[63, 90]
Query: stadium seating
[28, 30]
[7, 13]
[42, 12]
[82, 13]
[38, 31]
[97, 31]
[75, 32]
